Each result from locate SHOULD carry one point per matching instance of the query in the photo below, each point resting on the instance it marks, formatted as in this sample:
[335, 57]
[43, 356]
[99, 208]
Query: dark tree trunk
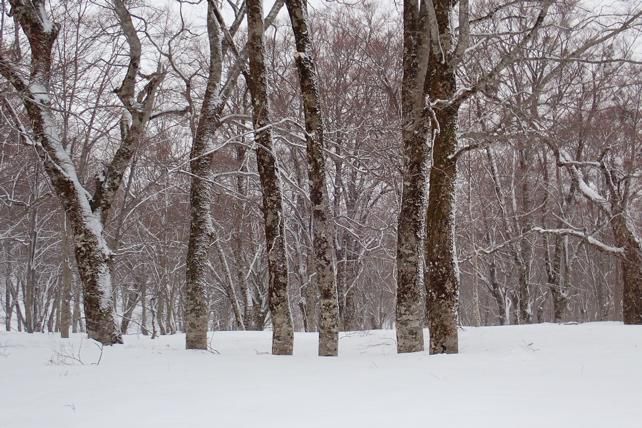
[631, 262]
[409, 299]
[442, 284]
[65, 298]
[323, 228]
[201, 158]
[279, 304]
[92, 252]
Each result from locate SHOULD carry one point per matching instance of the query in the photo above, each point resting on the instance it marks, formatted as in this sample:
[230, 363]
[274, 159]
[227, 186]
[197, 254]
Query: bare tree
[415, 128]
[322, 227]
[283, 335]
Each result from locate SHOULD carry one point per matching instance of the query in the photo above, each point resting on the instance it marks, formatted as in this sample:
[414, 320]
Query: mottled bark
[92, 252]
[630, 248]
[443, 279]
[8, 299]
[143, 305]
[67, 280]
[30, 283]
[130, 300]
[631, 263]
[77, 324]
[201, 158]
[525, 251]
[442, 283]
[282, 330]
[498, 294]
[409, 304]
[553, 261]
[322, 228]
[553, 264]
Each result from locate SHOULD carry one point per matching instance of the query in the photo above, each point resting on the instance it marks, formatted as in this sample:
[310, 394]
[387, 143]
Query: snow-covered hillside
[571, 376]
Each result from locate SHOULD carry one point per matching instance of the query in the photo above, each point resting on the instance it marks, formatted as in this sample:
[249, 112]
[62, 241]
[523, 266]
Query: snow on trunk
[323, 228]
[282, 330]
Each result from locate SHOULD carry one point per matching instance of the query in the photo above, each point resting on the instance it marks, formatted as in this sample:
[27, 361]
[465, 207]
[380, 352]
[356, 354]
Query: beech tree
[322, 226]
[87, 213]
[217, 94]
[415, 128]
[283, 333]
[513, 139]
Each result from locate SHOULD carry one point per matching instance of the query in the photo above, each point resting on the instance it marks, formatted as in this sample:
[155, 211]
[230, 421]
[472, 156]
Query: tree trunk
[67, 279]
[409, 304]
[323, 228]
[86, 215]
[8, 300]
[143, 305]
[631, 262]
[442, 284]
[282, 330]
[201, 158]
[76, 317]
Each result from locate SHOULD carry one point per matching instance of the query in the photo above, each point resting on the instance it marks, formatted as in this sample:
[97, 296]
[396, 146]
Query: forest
[319, 166]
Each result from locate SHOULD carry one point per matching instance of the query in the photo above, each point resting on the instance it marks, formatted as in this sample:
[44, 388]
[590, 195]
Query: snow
[563, 376]
[47, 25]
[66, 167]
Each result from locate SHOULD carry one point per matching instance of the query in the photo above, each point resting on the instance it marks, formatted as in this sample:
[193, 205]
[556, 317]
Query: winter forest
[393, 176]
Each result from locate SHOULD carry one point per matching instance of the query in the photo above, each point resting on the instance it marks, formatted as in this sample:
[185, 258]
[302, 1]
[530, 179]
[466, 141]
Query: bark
[65, 298]
[282, 330]
[230, 290]
[631, 263]
[92, 253]
[30, 283]
[443, 279]
[498, 294]
[554, 279]
[201, 158]
[442, 284]
[323, 228]
[130, 300]
[143, 305]
[524, 256]
[409, 305]
[8, 299]
[553, 262]
[310, 293]
[630, 248]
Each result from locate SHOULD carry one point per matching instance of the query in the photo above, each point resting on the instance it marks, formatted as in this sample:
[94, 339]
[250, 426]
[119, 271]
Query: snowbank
[525, 376]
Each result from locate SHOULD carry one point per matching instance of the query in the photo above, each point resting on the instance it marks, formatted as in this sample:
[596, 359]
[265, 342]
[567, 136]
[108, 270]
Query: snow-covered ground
[527, 376]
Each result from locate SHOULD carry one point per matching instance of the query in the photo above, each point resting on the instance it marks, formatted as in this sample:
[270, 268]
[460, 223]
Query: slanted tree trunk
[409, 304]
[86, 214]
[322, 228]
[92, 253]
[282, 330]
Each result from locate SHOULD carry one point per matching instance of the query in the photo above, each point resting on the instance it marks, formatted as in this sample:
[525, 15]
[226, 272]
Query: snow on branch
[564, 159]
[584, 236]
[463, 94]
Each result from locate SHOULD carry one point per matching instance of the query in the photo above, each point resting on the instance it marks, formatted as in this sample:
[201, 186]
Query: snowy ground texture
[547, 375]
